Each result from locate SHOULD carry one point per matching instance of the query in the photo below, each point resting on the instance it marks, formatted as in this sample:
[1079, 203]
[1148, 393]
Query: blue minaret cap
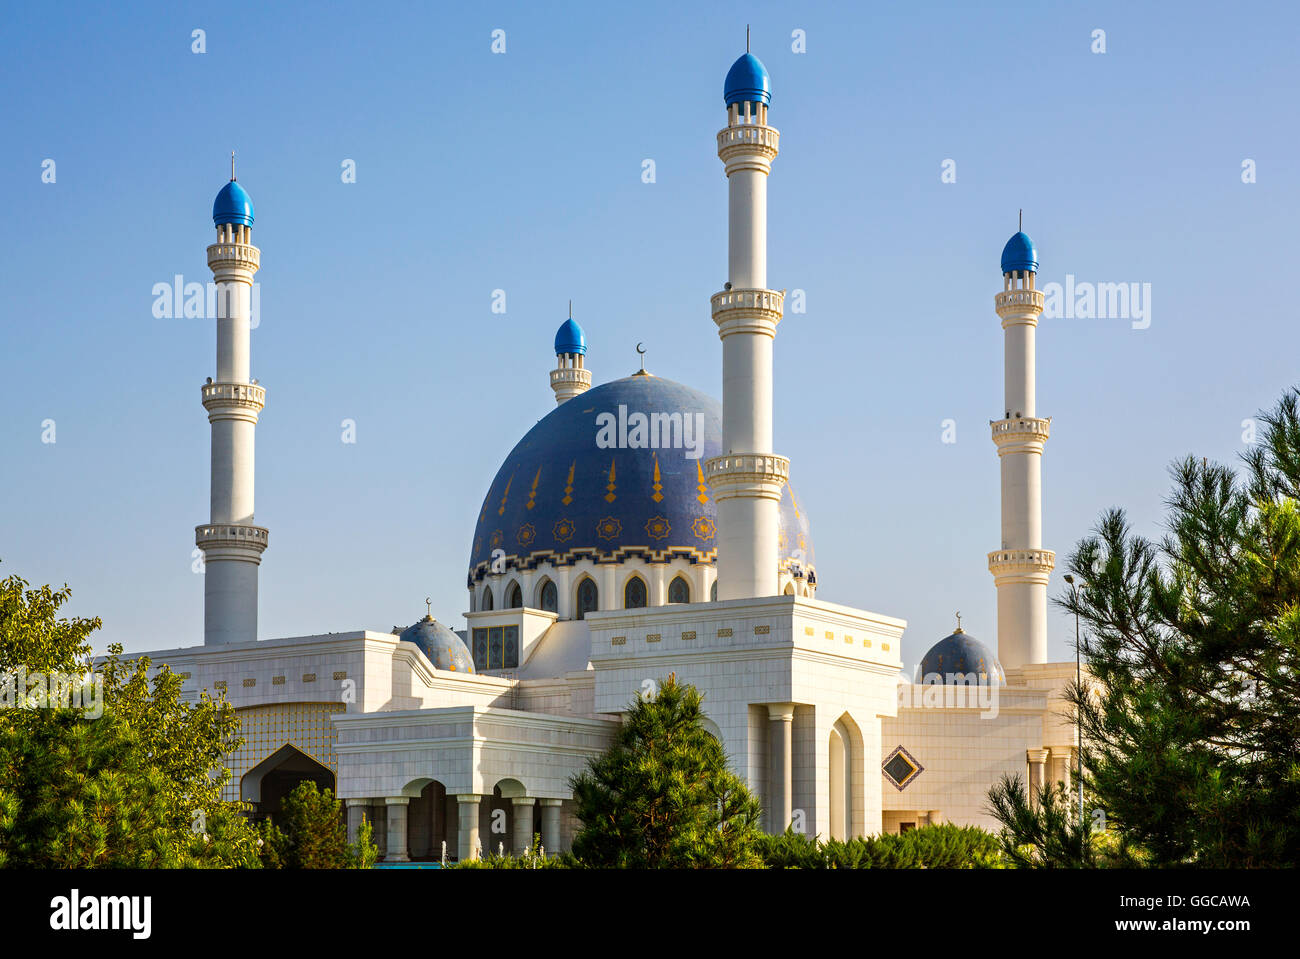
[1019, 255]
[748, 82]
[569, 338]
[232, 205]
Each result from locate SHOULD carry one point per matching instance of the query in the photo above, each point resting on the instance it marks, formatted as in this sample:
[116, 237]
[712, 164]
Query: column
[523, 816]
[396, 806]
[357, 809]
[468, 841]
[1037, 766]
[551, 825]
[780, 732]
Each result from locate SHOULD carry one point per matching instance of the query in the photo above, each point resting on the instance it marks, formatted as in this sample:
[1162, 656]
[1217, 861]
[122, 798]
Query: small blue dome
[962, 653]
[232, 205]
[569, 338]
[1019, 255]
[748, 82]
[443, 648]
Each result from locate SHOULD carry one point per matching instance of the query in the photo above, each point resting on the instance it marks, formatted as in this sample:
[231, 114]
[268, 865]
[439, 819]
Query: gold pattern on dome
[703, 528]
[504, 496]
[700, 485]
[658, 496]
[611, 485]
[657, 527]
[496, 539]
[527, 533]
[568, 485]
[532, 493]
[609, 528]
[563, 530]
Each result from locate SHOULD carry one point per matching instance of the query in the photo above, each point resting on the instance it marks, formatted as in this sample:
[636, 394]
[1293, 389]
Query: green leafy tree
[139, 785]
[1191, 722]
[310, 834]
[662, 795]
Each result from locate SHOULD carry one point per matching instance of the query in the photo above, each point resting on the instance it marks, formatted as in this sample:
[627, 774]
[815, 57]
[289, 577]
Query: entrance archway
[279, 774]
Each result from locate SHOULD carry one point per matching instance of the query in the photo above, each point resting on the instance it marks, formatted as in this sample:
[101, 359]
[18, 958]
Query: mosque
[639, 529]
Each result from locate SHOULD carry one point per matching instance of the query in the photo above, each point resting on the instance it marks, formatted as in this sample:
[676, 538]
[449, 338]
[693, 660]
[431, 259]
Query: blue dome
[1019, 255]
[443, 648]
[232, 205]
[569, 338]
[962, 653]
[559, 497]
[747, 82]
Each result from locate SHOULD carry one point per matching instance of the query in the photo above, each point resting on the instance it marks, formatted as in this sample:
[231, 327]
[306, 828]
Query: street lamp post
[1078, 682]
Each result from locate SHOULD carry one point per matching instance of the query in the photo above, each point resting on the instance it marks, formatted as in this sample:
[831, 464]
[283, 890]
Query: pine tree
[1192, 723]
[662, 795]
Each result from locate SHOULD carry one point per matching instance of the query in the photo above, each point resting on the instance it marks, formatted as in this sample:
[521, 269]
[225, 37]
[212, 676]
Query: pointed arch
[487, 599]
[847, 785]
[588, 598]
[679, 590]
[636, 595]
[548, 596]
[514, 596]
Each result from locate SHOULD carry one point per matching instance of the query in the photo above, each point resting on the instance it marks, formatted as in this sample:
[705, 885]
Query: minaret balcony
[1019, 303]
[761, 475]
[571, 376]
[749, 138]
[233, 400]
[748, 311]
[231, 541]
[238, 256]
[1024, 565]
[1020, 434]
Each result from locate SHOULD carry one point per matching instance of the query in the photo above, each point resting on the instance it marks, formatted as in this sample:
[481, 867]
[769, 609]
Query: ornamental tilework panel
[305, 726]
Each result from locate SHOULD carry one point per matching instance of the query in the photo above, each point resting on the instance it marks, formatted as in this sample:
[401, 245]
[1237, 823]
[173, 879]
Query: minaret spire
[570, 377]
[1021, 566]
[748, 478]
[232, 166]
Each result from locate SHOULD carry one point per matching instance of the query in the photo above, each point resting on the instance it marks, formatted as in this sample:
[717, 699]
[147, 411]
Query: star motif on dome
[702, 527]
[609, 528]
[563, 530]
[657, 527]
[527, 533]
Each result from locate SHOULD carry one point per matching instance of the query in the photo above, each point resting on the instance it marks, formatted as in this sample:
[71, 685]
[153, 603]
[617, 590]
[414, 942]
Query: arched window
[549, 597]
[487, 598]
[514, 597]
[634, 593]
[679, 591]
[587, 597]
[789, 589]
[713, 591]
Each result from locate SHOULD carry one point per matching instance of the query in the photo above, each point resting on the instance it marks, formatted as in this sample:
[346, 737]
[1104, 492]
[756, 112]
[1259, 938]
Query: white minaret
[1021, 567]
[570, 377]
[748, 477]
[232, 546]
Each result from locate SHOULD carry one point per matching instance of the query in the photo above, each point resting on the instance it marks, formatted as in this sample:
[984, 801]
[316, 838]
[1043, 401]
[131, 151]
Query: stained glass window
[587, 597]
[634, 596]
[679, 591]
[496, 647]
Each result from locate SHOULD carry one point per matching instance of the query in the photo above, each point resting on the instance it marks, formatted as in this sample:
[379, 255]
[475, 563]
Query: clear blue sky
[522, 172]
